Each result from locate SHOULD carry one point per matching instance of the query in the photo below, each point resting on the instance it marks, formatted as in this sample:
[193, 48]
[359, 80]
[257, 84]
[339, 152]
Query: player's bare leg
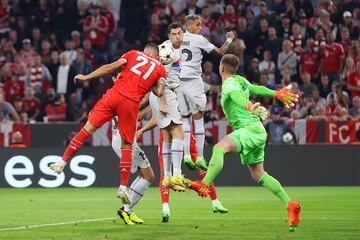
[199, 132]
[137, 190]
[259, 175]
[226, 145]
[74, 146]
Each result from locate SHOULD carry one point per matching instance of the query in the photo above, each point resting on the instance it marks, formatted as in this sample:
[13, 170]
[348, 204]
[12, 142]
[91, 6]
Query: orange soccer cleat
[294, 215]
[201, 188]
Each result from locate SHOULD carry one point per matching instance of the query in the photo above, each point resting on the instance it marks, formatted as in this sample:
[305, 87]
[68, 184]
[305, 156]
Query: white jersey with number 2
[191, 55]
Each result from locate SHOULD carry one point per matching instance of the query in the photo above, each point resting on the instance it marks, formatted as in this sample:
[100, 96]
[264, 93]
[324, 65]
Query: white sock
[137, 192]
[165, 206]
[215, 201]
[166, 154]
[177, 155]
[200, 136]
[61, 163]
[186, 127]
[122, 188]
[133, 184]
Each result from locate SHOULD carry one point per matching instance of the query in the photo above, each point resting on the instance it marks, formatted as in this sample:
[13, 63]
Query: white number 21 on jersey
[143, 61]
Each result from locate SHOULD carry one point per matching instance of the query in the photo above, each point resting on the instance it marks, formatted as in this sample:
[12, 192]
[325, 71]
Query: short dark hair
[153, 47]
[230, 63]
[174, 25]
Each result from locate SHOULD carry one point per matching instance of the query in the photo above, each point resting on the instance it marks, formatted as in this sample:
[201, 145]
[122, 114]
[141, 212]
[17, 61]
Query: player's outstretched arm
[150, 125]
[101, 71]
[288, 99]
[223, 49]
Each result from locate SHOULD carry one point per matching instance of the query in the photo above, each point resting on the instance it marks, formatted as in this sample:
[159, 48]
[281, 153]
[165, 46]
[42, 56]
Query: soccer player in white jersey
[166, 111]
[192, 98]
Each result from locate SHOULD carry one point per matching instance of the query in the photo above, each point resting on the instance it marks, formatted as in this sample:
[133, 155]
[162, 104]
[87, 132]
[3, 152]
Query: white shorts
[139, 158]
[192, 98]
[172, 105]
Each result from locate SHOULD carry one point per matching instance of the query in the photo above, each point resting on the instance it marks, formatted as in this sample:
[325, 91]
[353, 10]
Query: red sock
[212, 189]
[164, 192]
[75, 144]
[125, 165]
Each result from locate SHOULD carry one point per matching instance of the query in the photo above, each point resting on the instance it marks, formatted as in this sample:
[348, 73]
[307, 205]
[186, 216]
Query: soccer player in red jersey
[142, 72]
[165, 191]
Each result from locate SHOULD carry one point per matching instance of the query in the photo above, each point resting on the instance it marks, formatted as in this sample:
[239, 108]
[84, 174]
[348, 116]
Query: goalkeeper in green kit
[249, 136]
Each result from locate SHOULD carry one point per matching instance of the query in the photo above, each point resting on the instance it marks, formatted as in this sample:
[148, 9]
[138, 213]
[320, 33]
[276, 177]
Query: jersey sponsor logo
[123, 170]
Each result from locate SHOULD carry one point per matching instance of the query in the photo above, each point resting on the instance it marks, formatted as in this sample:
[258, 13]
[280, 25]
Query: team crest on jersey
[176, 64]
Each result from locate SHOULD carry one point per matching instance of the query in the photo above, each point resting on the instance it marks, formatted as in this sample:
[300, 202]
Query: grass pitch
[327, 213]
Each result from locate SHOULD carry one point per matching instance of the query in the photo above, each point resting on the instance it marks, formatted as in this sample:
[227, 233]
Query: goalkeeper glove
[257, 110]
[287, 98]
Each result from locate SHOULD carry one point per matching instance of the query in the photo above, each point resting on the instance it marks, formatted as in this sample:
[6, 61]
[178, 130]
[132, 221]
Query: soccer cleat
[177, 184]
[124, 216]
[189, 162]
[294, 215]
[219, 208]
[201, 164]
[166, 182]
[201, 188]
[124, 196]
[135, 219]
[165, 215]
[56, 167]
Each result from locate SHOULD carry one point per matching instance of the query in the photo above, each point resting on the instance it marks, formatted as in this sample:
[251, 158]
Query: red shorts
[113, 104]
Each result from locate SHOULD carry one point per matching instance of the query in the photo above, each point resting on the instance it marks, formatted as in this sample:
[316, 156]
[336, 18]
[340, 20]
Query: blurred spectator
[81, 14]
[238, 48]
[208, 74]
[305, 30]
[164, 21]
[296, 39]
[4, 18]
[54, 63]
[38, 76]
[218, 35]
[13, 88]
[254, 6]
[96, 28]
[348, 22]
[273, 43]
[7, 52]
[345, 40]
[268, 67]
[307, 106]
[70, 51]
[332, 104]
[207, 21]
[112, 29]
[355, 110]
[353, 81]
[57, 110]
[22, 29]
[191, 8]
[324, 86]
[343, 96]
[89, 53]
[31, 104]
[169, 8]
[17, 140]
[229, 19]
[254, 73]
[332, 56]
[244, 33]
[285, 27]
[76, 39]
[318, 100]
[7, 111]
[320, 113]
[18, 105]
[287, 60]
[261, 35]
[42, 16]
[277, 127]
[309, 61]
[64, 81]
[307, 87]
[45, 52]
[264, 14]
[27, 52]
[36, 39]
[215, 7]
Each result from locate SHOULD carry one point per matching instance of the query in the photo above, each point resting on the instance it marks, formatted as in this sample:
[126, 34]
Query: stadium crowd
[313, 44]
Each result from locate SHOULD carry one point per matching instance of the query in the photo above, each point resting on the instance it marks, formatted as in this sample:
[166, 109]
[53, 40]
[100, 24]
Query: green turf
[327, 213]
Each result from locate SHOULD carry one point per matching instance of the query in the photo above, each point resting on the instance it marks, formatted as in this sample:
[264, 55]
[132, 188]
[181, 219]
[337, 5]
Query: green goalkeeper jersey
[235, 93]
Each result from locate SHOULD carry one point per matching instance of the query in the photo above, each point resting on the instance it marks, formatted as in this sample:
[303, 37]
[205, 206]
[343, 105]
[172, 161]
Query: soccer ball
[166, 54]
[288, 138]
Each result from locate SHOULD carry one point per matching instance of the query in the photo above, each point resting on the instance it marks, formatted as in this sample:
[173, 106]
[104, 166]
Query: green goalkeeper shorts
[250, 142]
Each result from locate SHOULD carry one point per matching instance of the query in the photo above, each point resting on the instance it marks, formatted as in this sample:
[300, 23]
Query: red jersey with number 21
[141, 72]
